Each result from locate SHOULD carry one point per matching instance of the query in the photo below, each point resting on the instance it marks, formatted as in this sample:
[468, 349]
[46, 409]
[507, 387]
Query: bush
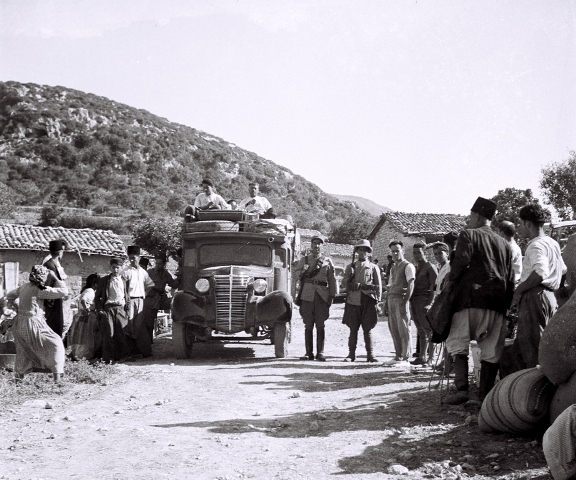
[120, 226]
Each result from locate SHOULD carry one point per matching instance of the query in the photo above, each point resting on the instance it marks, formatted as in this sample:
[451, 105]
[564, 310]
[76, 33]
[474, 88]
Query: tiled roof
[338, 249]
[87, 241]
[418, 223]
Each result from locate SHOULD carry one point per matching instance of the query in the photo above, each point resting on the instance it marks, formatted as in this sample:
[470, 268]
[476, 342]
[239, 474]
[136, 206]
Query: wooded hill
[76, 149]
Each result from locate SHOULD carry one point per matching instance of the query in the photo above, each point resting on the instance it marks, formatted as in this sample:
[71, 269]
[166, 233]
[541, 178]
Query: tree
[158, 235]
[558, 184]
[50, 216]
[358, 225]
[509, 202]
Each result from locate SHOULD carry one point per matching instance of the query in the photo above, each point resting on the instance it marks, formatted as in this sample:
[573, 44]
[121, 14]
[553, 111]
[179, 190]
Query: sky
[420, 106]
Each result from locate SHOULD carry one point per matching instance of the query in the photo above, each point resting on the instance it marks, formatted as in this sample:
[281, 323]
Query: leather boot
[460, 380]
[320, 336]
[352, 341]
[488, 373]
[309, 343]
[369, 347]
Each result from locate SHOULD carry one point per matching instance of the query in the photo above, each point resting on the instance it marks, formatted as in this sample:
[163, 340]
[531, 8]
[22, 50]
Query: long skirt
[37, 346]
[84, 336]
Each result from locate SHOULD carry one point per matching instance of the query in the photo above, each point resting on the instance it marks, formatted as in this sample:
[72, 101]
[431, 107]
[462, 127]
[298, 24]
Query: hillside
[365, 204]
[75, 149]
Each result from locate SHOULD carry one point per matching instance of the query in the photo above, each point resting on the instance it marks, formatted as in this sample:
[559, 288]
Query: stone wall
[77, 269]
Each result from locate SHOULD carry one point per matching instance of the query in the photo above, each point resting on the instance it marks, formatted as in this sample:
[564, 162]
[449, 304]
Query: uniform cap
[316, 237]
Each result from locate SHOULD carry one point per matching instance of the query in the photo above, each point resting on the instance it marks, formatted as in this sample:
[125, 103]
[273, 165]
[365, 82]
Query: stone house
[411, 228]
[88, 251]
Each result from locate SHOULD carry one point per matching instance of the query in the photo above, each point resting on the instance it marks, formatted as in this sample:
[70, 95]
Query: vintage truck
[236, 277]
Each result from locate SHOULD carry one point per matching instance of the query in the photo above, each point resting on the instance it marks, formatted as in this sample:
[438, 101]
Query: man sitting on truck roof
[256, 203]
[206, 200]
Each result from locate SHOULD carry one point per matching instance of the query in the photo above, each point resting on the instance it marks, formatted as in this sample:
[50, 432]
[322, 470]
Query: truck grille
[230, 302]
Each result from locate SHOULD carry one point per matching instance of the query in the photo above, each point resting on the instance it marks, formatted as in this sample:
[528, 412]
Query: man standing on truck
[256, 203]
[317, 291]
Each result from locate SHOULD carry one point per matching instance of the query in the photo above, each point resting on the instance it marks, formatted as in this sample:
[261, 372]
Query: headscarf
[91, 280]
[38, 276]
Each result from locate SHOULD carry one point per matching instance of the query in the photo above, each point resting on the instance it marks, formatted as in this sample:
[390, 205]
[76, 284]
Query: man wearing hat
[543, 268]
[138, 284]
[482, 280]
[112, 301]
[157, 298]
[363, 281]
[205, 200]
[255, 203]
[54, 308]
[317, 291]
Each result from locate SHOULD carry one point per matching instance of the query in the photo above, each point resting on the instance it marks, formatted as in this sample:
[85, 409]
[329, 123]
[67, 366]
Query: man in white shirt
[205, 200]
[138, 283]
[256, 203]
[542, 271]
[507, 230]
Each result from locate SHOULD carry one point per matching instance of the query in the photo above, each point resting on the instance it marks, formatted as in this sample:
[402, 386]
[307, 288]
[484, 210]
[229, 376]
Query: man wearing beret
[317, 291]
[543, 268]
[55, 308]
[482, 281]
[138, 284]
[364, 283]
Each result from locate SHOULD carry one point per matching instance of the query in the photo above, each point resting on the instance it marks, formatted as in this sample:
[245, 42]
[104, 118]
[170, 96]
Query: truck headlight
[202, 285]
[259, 285]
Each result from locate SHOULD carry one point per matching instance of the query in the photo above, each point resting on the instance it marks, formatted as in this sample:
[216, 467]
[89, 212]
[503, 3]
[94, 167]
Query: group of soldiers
[484, 279]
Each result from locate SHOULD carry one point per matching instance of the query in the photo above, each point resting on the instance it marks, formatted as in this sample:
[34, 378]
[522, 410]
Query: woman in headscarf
[37, 346]
[84, 336]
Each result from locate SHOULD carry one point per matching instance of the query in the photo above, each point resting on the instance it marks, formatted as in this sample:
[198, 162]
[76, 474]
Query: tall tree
[558, 184]
[509, 202]
[356, 226]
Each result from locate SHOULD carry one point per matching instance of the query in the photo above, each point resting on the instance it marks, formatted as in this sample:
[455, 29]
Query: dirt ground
[234, 411]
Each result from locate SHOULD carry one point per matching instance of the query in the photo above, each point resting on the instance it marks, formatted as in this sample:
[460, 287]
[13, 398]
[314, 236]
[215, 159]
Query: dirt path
[234, 411]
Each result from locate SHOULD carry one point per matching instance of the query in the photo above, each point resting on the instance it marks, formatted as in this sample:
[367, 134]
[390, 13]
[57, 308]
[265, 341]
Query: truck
[235, 280]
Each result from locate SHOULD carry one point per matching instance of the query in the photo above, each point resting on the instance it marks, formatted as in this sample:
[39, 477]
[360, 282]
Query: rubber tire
[182, 340]
[281, 339]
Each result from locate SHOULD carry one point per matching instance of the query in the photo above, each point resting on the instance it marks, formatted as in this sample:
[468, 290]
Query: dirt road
[234, 411]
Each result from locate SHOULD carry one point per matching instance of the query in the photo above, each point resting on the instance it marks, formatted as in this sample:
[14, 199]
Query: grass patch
[36, 385]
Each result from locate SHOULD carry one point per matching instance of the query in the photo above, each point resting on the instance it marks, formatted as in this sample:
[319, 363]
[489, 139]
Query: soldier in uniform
[364, 283]
[317, 291]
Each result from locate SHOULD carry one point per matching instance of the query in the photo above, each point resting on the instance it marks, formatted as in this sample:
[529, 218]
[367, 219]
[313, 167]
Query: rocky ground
[234, 411]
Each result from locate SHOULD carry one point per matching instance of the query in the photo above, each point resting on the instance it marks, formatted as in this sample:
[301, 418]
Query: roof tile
[87, 241]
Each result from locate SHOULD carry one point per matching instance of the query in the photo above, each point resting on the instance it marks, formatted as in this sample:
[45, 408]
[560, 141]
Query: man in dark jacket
[482, 276]
[112, 302]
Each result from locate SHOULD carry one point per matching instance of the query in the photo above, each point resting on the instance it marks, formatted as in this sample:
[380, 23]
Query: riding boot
[369, 347]
[320, 336]
[460, 380]
[488, 373]
[309, 343]
[352, 341]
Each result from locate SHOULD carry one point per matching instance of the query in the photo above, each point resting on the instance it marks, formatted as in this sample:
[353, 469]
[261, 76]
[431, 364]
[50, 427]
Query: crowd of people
[479, 272]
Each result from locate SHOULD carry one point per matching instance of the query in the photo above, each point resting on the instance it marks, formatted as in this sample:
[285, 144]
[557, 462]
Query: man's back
[482, 268]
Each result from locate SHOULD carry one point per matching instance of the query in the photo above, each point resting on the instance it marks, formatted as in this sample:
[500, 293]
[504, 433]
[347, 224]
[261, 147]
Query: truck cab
[236, 277]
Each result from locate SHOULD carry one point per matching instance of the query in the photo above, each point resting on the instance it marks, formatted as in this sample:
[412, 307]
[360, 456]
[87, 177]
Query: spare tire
[211, 226]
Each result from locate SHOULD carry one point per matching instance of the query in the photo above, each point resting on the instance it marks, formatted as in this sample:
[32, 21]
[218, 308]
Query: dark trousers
[535, 310]
[364, 315]
[112, 324]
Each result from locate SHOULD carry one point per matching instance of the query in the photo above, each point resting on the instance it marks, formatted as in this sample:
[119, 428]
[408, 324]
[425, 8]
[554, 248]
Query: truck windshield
[235, 254]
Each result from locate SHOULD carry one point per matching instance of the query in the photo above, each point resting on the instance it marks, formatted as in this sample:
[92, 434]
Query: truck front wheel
[281, 336]
[182, 339]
